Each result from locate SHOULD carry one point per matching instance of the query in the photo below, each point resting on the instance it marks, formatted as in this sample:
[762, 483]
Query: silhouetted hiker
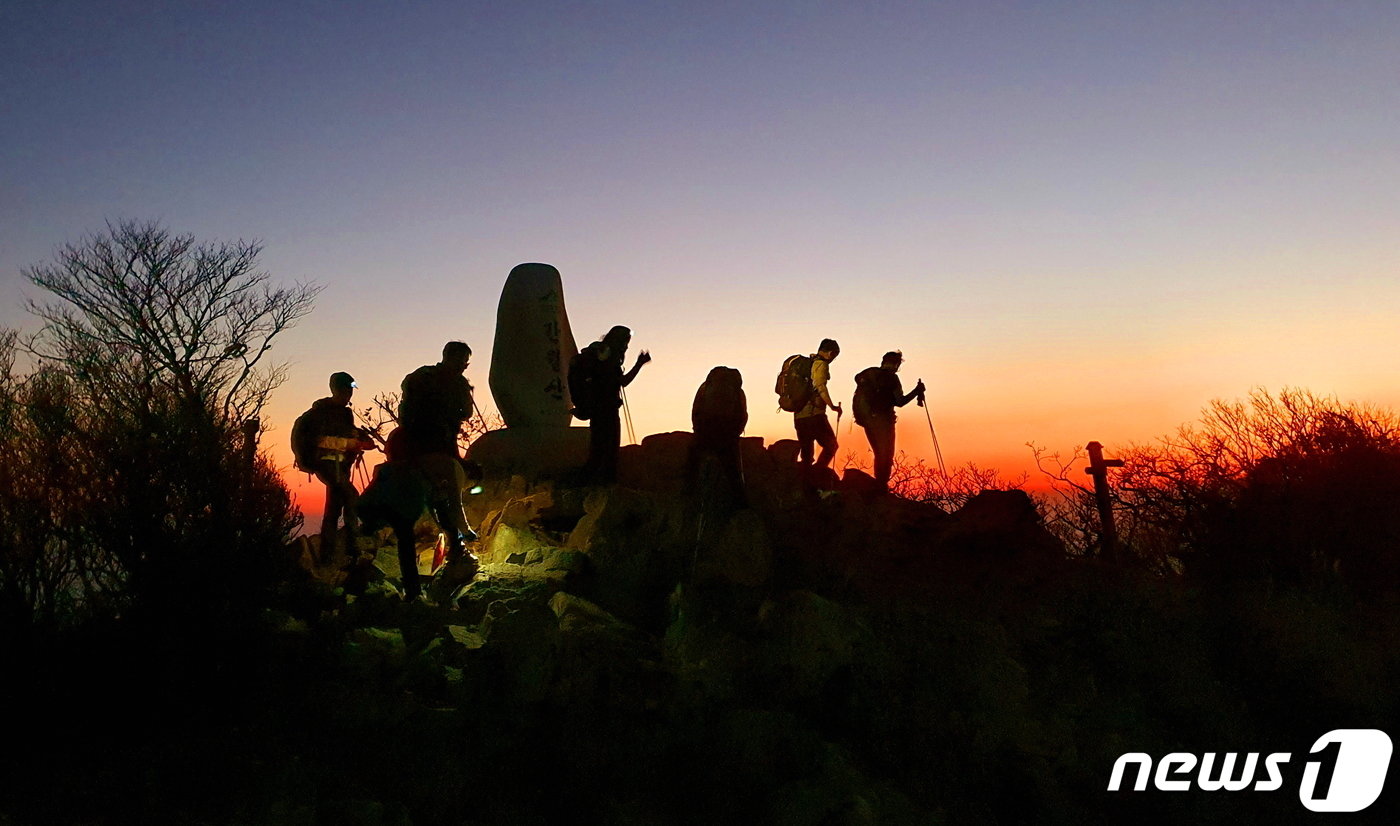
[326, 443]
[878, 393]
[718, 416]
[397, 497]
[595, 385]
[802, 391]
[436, 400]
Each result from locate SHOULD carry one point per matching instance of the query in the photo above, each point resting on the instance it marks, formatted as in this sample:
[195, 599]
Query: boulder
[785, 451]
[858, 482]
[379, 650]
[520, 552]
[575, 613]
[534, 452]
[604, 662]
[657, 464]
[708, 642]
[522, 639]
[806, 640]
[639, 545]
[1000, 525]
[738, 552]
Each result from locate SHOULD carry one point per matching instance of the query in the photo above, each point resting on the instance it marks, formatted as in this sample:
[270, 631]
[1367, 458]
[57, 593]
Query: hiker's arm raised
[912, 394]
[642, 358]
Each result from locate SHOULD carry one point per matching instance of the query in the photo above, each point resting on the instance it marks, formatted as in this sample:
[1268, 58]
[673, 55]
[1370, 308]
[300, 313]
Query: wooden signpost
[1098, 468]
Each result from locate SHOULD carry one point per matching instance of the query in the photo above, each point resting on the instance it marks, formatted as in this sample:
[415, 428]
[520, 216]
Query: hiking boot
[452, 576]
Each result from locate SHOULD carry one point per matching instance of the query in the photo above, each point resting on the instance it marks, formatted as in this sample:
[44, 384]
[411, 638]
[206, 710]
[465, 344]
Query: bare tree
[125, 480]
[1289, 485]
[913, 479]
[148, 308]
[1069, 509]
[382, 416]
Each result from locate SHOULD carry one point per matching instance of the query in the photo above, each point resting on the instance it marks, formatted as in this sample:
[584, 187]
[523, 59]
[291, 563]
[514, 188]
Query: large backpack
[305, 434]
[720, 405]
[794, 386]
[429, 399]
[867, 382]
[583, 374]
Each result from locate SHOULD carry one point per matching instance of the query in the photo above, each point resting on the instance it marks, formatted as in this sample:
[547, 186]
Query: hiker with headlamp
[326, 443]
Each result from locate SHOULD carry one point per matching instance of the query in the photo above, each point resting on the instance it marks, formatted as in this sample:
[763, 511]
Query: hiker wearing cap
[595, 386]
[326, 443]
[810, 420]
[436, 400]
[878, 393]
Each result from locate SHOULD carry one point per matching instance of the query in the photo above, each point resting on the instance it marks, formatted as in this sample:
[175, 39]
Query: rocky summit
[658, 652]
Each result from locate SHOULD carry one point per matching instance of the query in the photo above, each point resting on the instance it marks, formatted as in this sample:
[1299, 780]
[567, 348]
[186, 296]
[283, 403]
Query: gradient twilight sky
[1078, 220]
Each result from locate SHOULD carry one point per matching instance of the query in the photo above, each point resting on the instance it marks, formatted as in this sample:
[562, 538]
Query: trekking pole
[937, 451]
[627, 417]
[359, 467]
[838, 437]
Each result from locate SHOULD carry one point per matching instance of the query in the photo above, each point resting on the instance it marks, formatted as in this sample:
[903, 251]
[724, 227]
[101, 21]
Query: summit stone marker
[530, 359]
[529, 380]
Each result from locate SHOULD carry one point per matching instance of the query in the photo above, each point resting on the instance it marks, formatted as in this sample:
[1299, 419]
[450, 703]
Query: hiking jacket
[436, 400]
[885, 391]
[821, 399]
[331, 420]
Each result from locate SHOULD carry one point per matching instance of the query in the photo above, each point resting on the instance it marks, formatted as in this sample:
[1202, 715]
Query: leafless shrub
[1293, 485]
[382, 416]
[126, 485]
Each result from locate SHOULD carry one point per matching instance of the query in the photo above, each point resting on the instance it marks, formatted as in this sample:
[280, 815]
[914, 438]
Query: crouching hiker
[326, 443]
[718, 415]
[878, 393]
[397, 496]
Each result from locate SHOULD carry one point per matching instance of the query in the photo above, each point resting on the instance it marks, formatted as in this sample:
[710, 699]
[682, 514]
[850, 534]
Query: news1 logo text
[1344, 771]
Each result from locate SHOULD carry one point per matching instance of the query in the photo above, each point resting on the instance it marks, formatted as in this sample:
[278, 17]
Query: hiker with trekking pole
[327, 444]
[596, 381]
[878, 393]
[802, 391]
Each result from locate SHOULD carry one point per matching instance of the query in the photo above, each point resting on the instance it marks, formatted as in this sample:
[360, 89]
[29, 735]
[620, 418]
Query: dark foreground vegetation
[650, 653]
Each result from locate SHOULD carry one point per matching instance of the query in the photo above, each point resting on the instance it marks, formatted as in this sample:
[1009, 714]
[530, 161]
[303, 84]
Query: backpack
[862, 406]
[794, 386]
[720, 404]
[582, 375]
[429, 397]
[305, 434]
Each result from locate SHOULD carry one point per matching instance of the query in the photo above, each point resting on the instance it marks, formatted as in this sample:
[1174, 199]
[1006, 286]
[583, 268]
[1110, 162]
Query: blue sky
[1078, 220]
